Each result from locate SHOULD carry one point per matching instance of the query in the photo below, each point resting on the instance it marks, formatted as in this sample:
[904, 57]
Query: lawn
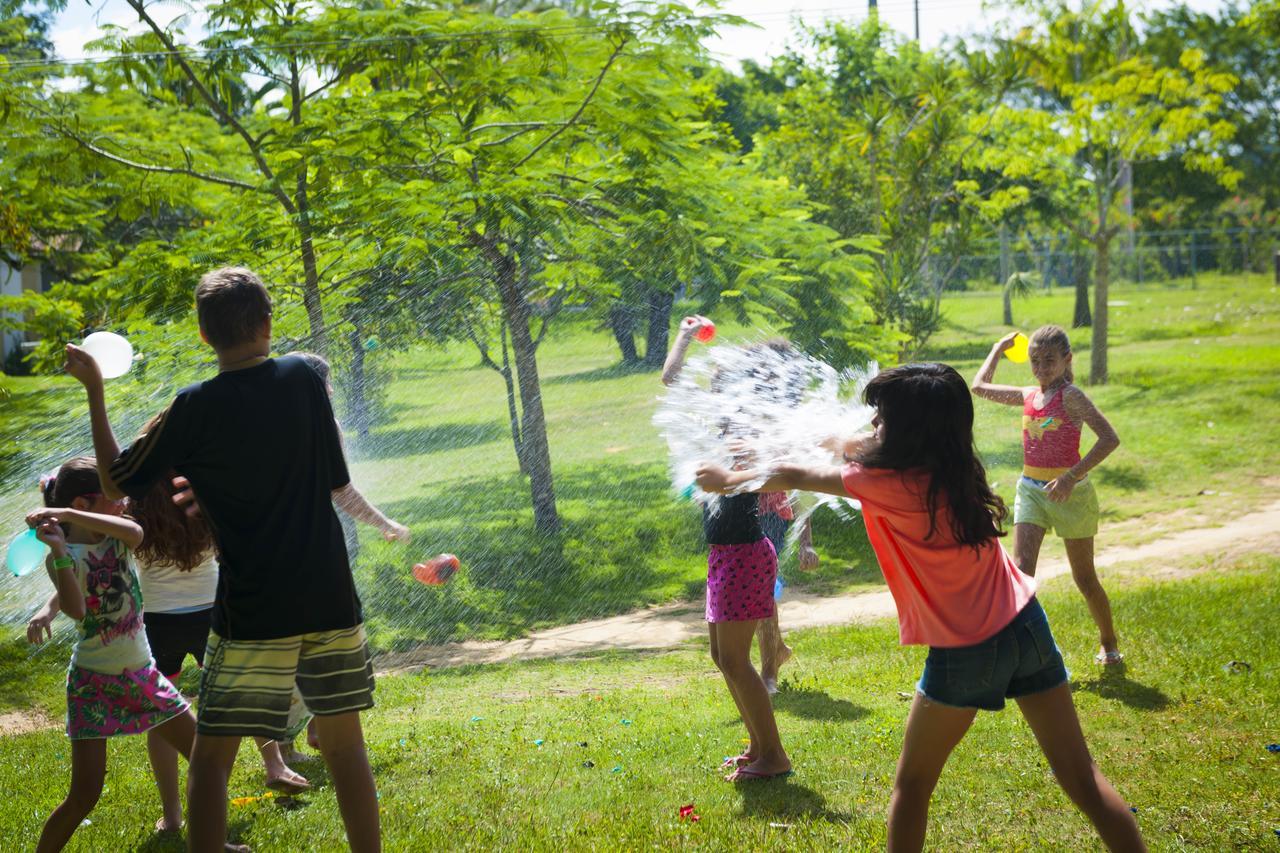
[600, 752]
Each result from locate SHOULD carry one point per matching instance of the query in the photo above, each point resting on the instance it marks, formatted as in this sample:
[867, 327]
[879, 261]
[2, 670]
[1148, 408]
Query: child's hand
[40, 624]
[185, 497]
[49, 531]
[82, 366]
[397, 532]
[1059, 489]
[712, 478]
[808, 559]
[1005, 342]
[693, 323]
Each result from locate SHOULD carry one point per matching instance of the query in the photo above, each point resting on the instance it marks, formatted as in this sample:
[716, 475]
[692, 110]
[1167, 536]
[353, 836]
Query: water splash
[770, 399]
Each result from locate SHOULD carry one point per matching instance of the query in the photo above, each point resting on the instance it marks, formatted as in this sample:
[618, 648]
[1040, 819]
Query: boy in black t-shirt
[260, 447]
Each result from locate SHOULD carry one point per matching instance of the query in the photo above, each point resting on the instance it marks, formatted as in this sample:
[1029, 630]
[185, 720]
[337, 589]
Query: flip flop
[742, 774]
[1108, 658]
[286, 786]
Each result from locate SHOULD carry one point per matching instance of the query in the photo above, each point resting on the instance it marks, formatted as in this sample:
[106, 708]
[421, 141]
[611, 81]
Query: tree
[1122, 108]
[902, 144]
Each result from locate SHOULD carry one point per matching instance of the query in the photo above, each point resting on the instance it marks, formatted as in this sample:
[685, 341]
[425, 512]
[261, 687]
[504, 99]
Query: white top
[165, 589]
[110, 638]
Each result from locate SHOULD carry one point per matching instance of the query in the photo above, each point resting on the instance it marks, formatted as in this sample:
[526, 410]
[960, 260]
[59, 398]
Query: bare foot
[237, 848]
[166, 825]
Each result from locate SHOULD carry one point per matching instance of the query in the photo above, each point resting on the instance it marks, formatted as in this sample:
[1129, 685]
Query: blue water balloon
[26, 553]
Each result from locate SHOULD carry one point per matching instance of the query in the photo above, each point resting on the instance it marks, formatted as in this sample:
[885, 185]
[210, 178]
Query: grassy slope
[458, 762]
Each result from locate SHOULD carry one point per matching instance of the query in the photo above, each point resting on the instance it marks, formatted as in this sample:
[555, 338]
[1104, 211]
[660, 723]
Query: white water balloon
[113, 353]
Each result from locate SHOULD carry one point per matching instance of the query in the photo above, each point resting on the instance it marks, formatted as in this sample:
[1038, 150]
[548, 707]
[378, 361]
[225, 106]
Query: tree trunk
[1098, 352]
[1006, 266]
[1081, 318]
[536, 451]
[359, 402]
[1007, 300]
[512, 414]
[622, 320]
[659, 332]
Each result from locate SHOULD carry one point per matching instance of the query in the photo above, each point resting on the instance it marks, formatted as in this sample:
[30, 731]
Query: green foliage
[913, 136]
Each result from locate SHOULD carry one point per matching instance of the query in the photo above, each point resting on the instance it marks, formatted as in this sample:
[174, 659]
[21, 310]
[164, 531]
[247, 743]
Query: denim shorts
[1021, 659]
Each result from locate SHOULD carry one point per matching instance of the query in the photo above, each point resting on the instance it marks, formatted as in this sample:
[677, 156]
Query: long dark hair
[926, 413]
[173, 538]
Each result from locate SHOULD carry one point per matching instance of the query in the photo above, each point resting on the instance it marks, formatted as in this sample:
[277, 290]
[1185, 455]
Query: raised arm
[982, 385]
[119, 527]
[349, 500]
[61, 568]
[675, 359]
[105, 447]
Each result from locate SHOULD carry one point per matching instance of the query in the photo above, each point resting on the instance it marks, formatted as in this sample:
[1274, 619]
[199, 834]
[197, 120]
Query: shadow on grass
[815, 704]
[1115, 684]
[623, 543]
[409, 441]
[1124, 477]
[785, 798]
[613, 371]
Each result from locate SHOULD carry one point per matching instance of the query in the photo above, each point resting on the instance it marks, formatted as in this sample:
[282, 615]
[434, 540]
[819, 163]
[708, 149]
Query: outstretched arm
[349, 500]
[105, 447]
[675, 359]
[784, 478]
[982, 385]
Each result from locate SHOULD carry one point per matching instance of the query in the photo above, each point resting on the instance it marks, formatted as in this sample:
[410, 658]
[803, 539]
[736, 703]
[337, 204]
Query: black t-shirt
[263, 454]
[736, 523]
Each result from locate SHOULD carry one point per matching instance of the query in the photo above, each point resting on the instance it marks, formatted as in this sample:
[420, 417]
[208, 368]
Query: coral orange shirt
[947, 593]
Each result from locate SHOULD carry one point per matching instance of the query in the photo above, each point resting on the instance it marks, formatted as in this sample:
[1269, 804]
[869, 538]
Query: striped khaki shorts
[247, 684]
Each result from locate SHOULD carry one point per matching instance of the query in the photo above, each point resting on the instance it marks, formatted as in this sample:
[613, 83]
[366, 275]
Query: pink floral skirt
[740, 581]
[101, 705]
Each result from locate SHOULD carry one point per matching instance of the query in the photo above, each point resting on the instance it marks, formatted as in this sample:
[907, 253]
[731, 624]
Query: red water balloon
[437, 570]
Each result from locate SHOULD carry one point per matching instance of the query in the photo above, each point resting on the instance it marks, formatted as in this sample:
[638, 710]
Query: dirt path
[673, 624]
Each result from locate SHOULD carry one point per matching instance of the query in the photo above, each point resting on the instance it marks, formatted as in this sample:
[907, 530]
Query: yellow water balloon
[1017, 352]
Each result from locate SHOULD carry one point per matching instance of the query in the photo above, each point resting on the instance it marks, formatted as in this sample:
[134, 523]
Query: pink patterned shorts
[740, 581]
[102, 705]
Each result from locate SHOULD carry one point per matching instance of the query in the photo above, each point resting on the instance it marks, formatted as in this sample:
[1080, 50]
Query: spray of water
[769, 400]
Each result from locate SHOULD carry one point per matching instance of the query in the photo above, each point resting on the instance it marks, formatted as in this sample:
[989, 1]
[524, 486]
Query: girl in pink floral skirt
[113, 687]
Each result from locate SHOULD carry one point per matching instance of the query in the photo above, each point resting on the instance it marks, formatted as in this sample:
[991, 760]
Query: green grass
[458, 765]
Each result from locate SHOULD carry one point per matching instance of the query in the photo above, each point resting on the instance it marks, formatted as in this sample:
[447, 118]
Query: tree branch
[218, 109]
[617, 51]
[148, 167]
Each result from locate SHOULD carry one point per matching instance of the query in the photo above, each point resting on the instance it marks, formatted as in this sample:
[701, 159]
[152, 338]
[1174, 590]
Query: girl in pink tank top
[1053, 492]
[934, 524]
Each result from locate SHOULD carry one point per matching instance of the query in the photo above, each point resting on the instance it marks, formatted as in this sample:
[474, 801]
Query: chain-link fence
[1177, 257]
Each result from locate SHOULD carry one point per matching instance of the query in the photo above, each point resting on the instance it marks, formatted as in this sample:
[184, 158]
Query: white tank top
[165, 589]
